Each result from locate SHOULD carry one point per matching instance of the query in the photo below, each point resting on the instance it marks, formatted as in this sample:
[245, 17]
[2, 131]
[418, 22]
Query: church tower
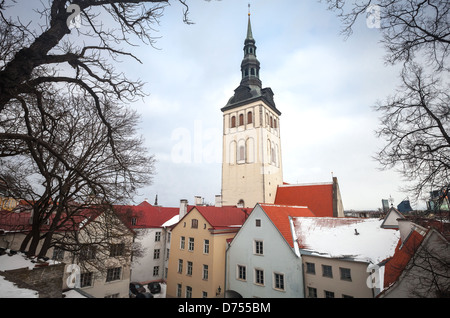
[251, 163]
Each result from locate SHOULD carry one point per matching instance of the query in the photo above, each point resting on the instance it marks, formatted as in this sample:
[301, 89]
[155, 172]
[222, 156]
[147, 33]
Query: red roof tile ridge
[305, 184]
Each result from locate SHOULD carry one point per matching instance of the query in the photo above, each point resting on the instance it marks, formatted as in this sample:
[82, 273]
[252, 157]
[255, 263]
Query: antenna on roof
[356, 232]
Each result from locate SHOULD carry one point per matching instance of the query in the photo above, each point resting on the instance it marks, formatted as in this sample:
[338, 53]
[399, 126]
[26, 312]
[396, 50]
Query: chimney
[218, 202]
[183, 207]
[198, 200]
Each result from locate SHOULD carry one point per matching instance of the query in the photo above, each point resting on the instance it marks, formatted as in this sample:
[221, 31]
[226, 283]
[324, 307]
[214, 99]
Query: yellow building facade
[197, 254]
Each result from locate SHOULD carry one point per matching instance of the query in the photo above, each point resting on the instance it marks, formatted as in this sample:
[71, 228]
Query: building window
[278, 280]
[327, 271]
[86, 279]
[58, 254]
[345, 274]
[274, 123]
[155, 270]
[347, 296]
[133, 221]
[204, 294]
[179, 287]
[328, 294]
[241, 154]
[182, 240]
[312, 292]
[191, 244]
[206, 246]
[188, 292]
[310, 268]
[167, 253]
[117, 295]
[259, 250]
[241, 272]
[189, 268]
[259, 276]
[156, 253]
[87, 252]
[168, 237]
[194, 224]
[205, 272]
[113, 274]
[157, 236]
[116, 249]
[233, 121]
[180, 266]
[249, 118]
[241, 119]
[258, 223]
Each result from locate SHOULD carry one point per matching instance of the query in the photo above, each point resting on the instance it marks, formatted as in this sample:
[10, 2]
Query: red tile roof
[317, 197]
[20, 221]
[225, 216]
[403, 253]
[145, 214]
[279, 214]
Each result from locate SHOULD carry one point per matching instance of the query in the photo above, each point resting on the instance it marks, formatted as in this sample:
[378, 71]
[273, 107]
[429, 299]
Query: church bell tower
[251, 163]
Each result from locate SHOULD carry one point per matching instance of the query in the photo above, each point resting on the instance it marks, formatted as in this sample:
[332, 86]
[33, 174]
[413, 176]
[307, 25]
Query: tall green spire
[249, 27]
[250, 64]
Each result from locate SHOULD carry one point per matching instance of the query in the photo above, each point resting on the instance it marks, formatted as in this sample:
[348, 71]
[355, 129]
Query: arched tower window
[241, 154]
[241, 119]
[233, 121]
[249, 118]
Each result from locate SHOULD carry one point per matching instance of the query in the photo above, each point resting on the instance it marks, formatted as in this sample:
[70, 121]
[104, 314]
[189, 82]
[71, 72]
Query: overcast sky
[325, 87]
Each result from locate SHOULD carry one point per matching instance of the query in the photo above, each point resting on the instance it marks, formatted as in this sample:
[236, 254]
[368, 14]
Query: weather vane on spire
[249, 9]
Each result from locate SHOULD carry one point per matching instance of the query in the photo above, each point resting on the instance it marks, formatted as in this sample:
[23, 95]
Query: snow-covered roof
[350, 238]
[174, 220]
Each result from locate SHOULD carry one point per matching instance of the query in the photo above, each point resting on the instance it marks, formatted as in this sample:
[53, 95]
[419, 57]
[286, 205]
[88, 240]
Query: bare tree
[415, 122]
[54, 56]
[59, 152]
[409, 27]
[84, 173]
[427, 273]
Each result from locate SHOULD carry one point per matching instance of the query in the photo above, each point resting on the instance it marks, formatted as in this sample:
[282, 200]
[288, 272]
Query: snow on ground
[10, 290]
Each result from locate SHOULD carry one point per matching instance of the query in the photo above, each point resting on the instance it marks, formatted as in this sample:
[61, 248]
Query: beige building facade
[335, 278]
[197, 255]
[110, 252]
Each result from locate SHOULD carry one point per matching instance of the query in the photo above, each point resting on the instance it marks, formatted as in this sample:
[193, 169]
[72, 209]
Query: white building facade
[260, 262]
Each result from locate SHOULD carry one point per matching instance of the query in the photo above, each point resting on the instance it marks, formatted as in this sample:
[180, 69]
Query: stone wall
[46, 279]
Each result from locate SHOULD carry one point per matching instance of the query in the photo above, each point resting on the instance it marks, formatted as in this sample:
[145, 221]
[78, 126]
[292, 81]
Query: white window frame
[238, 272]
[255, 276]
[258, 250]
[274, 277]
